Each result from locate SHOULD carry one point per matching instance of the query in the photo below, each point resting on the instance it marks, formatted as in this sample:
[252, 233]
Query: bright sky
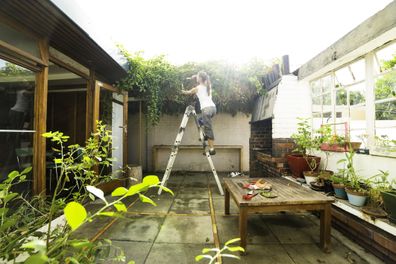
[234, 30]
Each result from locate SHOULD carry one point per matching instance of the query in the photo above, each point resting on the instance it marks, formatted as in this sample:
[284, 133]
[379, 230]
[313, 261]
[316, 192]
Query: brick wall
[267, 155]
[378, 242]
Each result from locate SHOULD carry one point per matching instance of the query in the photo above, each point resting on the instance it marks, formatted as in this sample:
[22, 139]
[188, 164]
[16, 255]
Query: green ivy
[159, 82]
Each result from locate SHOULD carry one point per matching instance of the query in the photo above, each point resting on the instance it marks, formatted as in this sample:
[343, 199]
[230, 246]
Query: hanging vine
[159, 82]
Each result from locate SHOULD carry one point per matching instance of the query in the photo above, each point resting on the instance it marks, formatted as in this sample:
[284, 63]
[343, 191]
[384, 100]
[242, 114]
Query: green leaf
[97, 192]
[47, 134]
[26, 170]
[206, 250]
[231, 241]
[134, 189]
[166, 189]
[13, 174]
[75, 214]
[111, 214]
[131, 262]
[120, 207]
[37, 259]
[81, 243]
[151, 180]
[10, 196]
[234, 249]
[72, 260]
[120, 191]
[57, 161]
[230, 256]
[38, 245]
[200, 257]
[145, 199]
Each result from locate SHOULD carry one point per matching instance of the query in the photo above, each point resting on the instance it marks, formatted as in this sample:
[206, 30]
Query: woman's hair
[206, 80]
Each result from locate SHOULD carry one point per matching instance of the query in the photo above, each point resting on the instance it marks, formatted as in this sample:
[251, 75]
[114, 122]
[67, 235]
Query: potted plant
[301, 161]
[379, 183]
[338, 183]
[356, 187]
[389, 198]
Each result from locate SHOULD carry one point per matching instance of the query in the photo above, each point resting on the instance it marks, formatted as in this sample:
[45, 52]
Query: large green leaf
[231, 241]
[134, 189]
[120, 207]
[151, 180]
[120, 191]
[38, 258]
[145, 199]
[75, 214]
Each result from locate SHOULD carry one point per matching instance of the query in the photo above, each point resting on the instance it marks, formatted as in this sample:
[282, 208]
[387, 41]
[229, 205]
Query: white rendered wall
[228, 130]
[293, 100]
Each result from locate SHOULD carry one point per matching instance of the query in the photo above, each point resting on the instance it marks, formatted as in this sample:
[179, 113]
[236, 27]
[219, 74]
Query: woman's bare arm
[190, 92]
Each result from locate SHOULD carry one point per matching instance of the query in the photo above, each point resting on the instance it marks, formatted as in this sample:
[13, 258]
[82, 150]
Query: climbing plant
[160, 82]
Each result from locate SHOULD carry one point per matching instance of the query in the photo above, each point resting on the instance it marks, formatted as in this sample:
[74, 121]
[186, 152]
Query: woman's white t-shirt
[205, 100]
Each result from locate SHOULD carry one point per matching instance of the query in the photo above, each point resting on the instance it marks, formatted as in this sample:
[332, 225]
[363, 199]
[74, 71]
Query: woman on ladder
[208, 108]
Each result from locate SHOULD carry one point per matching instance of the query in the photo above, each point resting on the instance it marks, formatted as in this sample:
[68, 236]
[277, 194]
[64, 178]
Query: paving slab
[293, 228]
[90, 229]
[309, 254]
[258, 231]
[136, 251]
[163, 202]
[175, 253]
[263, 254]
[191, 206]
[218, 204]
[135, 228]
[191, 192]
[186, 229]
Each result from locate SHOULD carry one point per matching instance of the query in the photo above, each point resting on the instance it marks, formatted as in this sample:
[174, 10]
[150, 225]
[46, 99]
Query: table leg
[325, 228]
[243, 227]
[226, 202]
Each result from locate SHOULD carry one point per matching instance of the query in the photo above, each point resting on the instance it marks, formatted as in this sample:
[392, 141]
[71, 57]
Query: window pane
[19, 40]
[357, 94]
[358, 70]
[316, 88]
[385, 86]
[357, 123]
[326, 84]
[386, 111]
[66, 104]
[326, 99]
[17, 87]
[385, 58]
[316, 120]
[344, 77]
[341, 97]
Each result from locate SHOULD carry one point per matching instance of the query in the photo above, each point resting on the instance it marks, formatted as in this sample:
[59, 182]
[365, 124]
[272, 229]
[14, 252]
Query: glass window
[66, 103]
[19, 39]
[385, 86]
[17, 87]
[385, 59]
[350, 74]
[341, 97]
[357, 94]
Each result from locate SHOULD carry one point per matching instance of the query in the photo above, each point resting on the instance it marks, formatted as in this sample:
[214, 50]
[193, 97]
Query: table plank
[289, 193]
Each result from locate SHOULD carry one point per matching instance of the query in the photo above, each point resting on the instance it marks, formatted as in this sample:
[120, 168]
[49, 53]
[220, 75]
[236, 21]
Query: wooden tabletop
[289, 193]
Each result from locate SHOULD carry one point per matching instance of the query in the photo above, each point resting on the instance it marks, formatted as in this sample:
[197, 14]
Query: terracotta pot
[298, 164]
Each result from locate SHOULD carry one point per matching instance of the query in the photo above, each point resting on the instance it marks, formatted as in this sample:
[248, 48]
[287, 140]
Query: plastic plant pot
[356, 198]
[339, 191]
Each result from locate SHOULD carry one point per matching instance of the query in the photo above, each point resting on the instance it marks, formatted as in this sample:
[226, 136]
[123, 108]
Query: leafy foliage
[221, 252]
[26, 224]
[160, 82]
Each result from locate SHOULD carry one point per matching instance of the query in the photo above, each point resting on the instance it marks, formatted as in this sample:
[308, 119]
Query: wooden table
[291, 197]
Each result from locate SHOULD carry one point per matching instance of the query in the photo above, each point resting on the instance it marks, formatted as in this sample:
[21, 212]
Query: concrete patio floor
[178, 228]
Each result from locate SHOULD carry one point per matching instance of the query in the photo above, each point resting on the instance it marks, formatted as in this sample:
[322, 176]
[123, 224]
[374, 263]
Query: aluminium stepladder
[189, 111]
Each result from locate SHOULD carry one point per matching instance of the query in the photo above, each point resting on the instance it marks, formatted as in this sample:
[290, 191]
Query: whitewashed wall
[228, 130]
[293, 100]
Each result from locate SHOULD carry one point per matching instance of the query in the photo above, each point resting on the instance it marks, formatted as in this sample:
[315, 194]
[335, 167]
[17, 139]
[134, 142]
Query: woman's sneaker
[212, 152]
